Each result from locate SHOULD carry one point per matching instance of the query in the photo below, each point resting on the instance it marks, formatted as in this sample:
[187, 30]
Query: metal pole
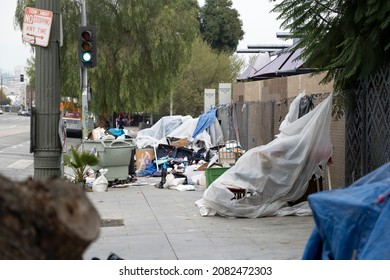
[84, 80]
[46, 143]
[171, 104]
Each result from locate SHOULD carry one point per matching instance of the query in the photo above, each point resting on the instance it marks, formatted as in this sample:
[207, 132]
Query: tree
[142, 47]
[206, 69]
[4, 100]
[220, 25]
[349, 39]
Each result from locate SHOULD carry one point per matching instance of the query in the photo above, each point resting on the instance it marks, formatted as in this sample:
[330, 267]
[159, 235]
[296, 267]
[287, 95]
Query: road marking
[21, 164]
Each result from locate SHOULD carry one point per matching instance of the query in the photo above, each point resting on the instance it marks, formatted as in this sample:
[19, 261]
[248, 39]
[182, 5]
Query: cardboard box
[180, 143]
[143, 157]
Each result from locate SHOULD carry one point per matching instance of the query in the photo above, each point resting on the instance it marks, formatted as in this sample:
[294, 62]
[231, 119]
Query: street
[16, 161]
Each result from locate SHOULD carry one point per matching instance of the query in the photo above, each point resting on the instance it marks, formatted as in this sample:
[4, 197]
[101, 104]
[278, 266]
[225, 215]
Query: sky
[259, 24]
[13, 52]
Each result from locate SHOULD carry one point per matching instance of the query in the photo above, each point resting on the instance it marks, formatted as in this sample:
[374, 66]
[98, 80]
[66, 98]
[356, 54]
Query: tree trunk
[41, 220]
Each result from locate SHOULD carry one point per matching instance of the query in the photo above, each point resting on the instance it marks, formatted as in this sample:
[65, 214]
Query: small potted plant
[80, 162]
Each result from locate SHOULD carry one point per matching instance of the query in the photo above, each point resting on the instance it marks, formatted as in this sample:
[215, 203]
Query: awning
[286, 64]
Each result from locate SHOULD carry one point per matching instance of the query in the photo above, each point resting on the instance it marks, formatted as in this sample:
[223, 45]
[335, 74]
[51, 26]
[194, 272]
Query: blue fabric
[352, 223]
[204, 121]
[150, 169]
[116, 132]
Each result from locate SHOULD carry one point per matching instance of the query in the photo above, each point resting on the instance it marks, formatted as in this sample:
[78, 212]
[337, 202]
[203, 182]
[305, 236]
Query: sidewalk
[147, 223]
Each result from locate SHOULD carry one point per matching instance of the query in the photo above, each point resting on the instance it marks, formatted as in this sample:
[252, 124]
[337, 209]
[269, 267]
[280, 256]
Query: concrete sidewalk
[147, 223]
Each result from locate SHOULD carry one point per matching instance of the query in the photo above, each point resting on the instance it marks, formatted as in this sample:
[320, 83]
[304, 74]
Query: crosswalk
[21, 164]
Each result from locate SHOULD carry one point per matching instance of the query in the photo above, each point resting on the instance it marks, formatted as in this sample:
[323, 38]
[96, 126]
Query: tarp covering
[352, 223]
[154, 135]
[204, 121]
[182, 127]
[188, 128]
[278, 172]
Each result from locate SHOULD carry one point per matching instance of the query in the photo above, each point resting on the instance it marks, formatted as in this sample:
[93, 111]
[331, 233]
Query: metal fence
[256, 123]
[368, 127]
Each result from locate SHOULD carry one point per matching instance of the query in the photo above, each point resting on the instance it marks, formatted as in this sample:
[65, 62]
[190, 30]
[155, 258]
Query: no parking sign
[37, 26]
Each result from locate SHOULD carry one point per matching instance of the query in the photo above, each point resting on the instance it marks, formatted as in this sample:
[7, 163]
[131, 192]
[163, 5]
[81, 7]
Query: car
[22, 112]
[1, 111]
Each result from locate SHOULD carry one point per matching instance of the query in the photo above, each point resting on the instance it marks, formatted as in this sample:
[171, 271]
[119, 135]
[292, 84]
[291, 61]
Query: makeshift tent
[276, 173]
[195, 131]
[182, 127]
[156, 134]
[353, 222]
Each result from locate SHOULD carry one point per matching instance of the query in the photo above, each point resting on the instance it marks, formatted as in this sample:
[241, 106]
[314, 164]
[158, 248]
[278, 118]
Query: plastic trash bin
[115, 155]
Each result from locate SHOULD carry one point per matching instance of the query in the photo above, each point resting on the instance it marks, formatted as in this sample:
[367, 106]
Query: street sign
[37, 26]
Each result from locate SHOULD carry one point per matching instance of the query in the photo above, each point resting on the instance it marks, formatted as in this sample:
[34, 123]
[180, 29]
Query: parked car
[24, 112]
[21, 112]
[1, 111]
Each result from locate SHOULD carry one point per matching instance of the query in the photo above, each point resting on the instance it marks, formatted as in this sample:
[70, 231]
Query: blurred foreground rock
[41, 220]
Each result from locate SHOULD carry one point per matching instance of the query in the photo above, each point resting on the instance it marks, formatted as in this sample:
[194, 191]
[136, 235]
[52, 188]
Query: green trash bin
[114, 155]
[212, 174]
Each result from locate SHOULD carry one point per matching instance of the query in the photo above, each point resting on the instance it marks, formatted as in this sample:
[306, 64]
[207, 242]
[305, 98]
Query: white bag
[101, 183]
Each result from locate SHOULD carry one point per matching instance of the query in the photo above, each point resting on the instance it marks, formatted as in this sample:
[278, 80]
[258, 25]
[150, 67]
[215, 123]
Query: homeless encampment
[204, 130]
[353, 222]
[276, 173]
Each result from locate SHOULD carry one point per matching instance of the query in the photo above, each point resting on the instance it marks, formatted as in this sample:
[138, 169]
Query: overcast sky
[260, 27]
[259, 24]
[12, 51]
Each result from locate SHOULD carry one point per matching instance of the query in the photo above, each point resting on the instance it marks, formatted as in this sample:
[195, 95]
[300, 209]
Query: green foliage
[142, 48]
[80, 162]
[349, 39]
[31, 72]
[4, 100]
[220, 25]
[207, 68]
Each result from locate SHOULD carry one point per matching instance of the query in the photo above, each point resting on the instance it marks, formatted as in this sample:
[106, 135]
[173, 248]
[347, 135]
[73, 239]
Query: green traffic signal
[86, 57]
[87, 46]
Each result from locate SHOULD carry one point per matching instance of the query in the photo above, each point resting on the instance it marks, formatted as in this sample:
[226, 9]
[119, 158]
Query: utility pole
[46, 143]
[84, 81]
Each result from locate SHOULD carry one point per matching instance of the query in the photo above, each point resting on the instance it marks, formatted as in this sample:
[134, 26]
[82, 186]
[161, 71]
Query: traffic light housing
[21, 78]
[87, 45]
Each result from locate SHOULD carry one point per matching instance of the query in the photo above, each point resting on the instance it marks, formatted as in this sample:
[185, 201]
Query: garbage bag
[101, 182]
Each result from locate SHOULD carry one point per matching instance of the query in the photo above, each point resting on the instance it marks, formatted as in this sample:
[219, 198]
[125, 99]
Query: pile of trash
[180, 149]
[101, 134]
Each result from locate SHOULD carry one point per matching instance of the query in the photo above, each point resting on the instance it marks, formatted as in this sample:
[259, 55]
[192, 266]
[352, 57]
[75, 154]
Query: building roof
[261, 60]
[286, 63]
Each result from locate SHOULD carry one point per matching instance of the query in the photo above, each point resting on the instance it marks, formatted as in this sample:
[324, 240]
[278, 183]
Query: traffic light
[21, 78]
[87, 46]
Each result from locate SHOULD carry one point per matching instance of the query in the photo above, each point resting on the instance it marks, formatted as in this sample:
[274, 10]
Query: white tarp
[277, 172]
[156, 134]
[179, 127]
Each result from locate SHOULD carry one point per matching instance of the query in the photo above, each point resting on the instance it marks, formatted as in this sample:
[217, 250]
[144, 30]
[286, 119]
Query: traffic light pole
[84, 81]
[45, 140]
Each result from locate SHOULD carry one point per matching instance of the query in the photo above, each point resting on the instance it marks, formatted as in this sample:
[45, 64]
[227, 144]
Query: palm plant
[80, 162]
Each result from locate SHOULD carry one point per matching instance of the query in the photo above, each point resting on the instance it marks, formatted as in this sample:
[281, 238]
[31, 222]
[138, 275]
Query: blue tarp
[116, 131]
[353, 222]
[204, 121]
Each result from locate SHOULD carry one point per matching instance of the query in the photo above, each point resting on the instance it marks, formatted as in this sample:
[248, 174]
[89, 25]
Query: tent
[278, 172]
[353, 222]
[193, 129]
